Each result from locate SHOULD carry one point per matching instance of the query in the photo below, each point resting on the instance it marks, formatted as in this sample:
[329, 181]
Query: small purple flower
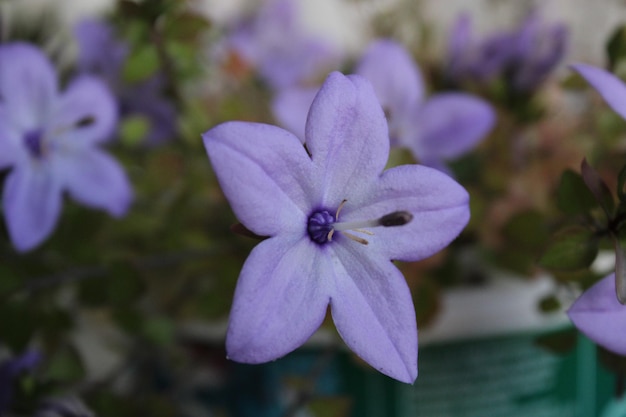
[10, 370]
[524, 57]
[102, 55]
[442, 128]
[599, 315]
[49, 140]
[334, 220]
[274, 42]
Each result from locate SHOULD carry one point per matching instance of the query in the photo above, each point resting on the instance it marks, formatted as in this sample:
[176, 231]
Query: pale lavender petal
[440, 208]
[373, 310]
[266, 175]
[395, 77]
[95, 179]
[86, 113]
[346, 133]
[11, 149]
[611, 88]
[28, 85]
[32, 204]
[291, 107]
[281, 299]
[451, 124]
[599, 315]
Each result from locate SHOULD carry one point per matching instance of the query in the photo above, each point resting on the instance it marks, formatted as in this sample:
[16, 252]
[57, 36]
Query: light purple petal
[32, 204]
[266, 175]
[346, 133]
[281, 299]
[599, 315]
[291, 107]
[11, 149]
[95, 179]
[451, 124]
[28, 84]
[395, 77]
[440, 208]
[86, 113]
[611, 88]
[373, 311]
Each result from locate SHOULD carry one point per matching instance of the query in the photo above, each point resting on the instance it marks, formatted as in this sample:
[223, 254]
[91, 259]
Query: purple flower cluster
[523, 57]
[335, 218]
[49, 141]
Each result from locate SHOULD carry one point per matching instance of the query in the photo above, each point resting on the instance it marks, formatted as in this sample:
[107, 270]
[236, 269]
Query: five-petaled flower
[49, 139]
[335, 219]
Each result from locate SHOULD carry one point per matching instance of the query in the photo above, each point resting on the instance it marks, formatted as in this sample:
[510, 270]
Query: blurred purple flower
[444, 127]
[611, 88]
[318, 206]
[274, 42]
[101, 54]
[524, 57]
[10, 370]
[49, 140]
[63, 407]
[599, 315]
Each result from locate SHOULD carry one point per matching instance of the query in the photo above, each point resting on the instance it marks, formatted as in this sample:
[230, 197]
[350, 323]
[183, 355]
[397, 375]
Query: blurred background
[127, 316]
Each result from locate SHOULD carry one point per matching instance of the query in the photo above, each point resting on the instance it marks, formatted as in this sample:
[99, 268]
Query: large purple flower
[100, 53]
[436, 130]
[49, 140]
[334, 219]
[275, 43]
[600, 316]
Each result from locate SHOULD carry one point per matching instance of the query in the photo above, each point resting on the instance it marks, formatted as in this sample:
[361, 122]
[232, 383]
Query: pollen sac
[319, 226]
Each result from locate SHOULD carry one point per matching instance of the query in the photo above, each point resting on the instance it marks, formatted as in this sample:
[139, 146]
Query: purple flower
[274, 42]
[599, 315]
[524, 57]
[444, 127]
[63, 407]
[611, 88]
[334, 220]
[10, 370]
[49, 140]
[101, 54]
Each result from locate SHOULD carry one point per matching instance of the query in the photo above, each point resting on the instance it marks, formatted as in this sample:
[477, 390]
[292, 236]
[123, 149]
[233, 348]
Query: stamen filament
[397, 218]
[356, 238]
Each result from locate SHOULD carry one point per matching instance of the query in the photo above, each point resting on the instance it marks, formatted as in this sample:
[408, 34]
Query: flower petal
[28, 84]
[281, 299]
[395, 77]
[266, 175]
[95, 179]
[611, 88]
[347, 135]
[373, 311]
[451, 124]
[291, 107]
[11, 150]
[440, 208]
[85, 114]
[598, 314]
[32, 204]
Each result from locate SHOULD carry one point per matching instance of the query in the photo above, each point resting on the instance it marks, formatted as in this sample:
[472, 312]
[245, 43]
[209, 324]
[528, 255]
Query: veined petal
[28, 84]
[281, 299]
[347, 135]
[395, 77]
[291, 107]
[451, 124]
[611, 88]
[598, 314]
[440, 208]
[266, 175]
[32, 204]
[373, 311]
[86, 113]
[95, 179]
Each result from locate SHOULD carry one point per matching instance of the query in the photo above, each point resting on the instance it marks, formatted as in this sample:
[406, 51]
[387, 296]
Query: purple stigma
[319, 226]
[32, 140]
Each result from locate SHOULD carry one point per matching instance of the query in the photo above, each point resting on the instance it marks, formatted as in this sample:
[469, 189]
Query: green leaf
[65, 365]
[616, 46]
[133, 130]
[598, 188]
[572, 249]
[572, 195]
[141, 64]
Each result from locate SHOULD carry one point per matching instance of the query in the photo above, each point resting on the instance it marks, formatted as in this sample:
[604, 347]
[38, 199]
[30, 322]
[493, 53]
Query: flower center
[33, 141]
[322, 225]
